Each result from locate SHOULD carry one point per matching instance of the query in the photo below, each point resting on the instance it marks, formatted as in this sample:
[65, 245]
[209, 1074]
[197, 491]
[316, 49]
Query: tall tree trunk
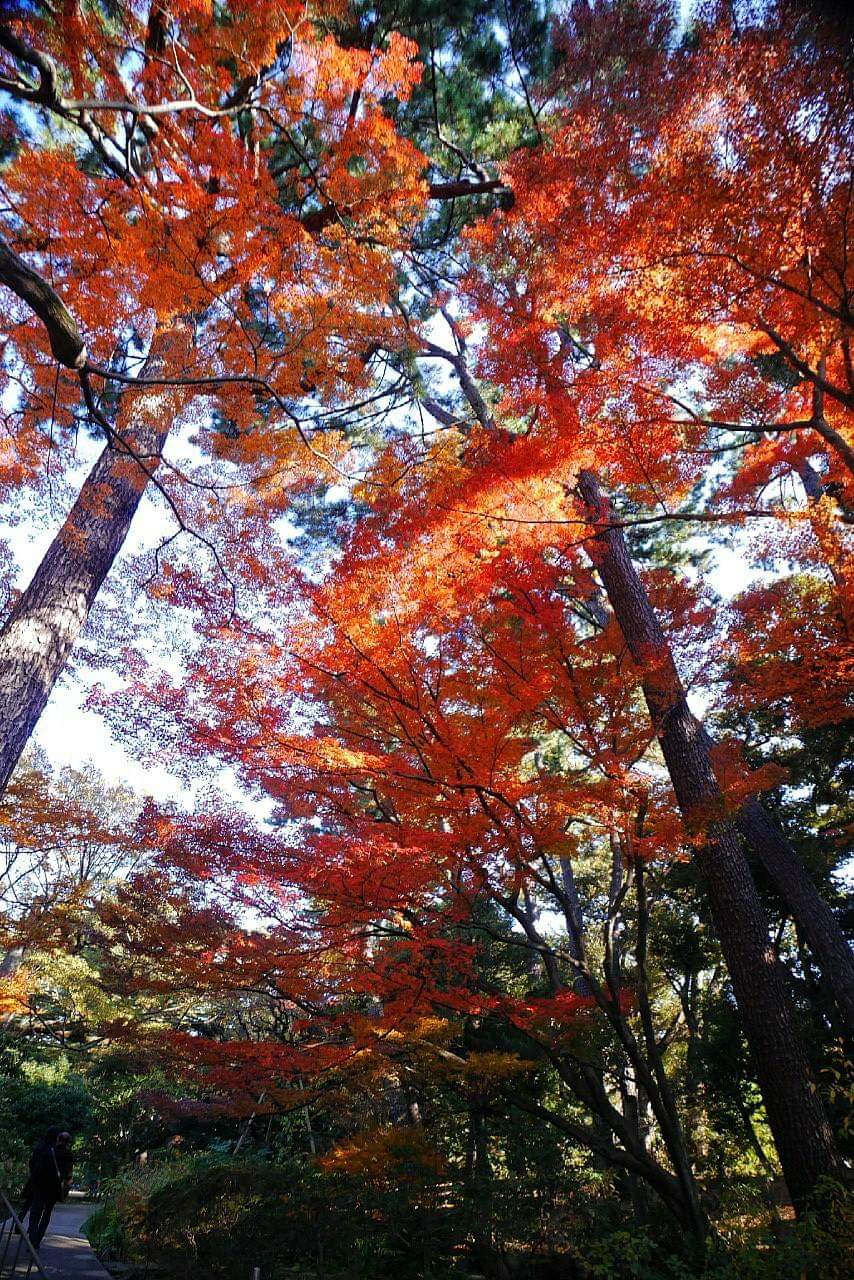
[532, 960]
[479, 1177]
[306, 1113]
[795, 1114]
[813, 916]
[574, 917]
[631, 1111]
[815, 919]
[37, 637]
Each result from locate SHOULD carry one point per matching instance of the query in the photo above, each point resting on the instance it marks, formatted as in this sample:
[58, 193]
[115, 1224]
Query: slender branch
[47, 94]
[806, 371]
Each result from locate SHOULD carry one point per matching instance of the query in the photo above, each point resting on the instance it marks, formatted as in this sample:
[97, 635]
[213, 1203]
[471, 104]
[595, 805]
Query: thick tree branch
[318, 219]
[66, 342]
[805, 370]
[46, 92]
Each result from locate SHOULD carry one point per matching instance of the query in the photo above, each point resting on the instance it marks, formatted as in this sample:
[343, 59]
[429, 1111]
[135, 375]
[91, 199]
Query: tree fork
[795, 1114]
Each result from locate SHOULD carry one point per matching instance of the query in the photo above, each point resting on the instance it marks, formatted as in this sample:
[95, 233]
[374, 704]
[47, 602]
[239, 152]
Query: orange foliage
[449, 717]
[166, 204]
[386, 1156]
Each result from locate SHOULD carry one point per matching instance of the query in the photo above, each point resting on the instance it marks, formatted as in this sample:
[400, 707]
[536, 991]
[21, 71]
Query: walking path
[65, 1250]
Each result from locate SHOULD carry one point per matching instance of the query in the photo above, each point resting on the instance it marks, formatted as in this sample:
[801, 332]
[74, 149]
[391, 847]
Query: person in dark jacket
[51, 1164]
[49, 1140]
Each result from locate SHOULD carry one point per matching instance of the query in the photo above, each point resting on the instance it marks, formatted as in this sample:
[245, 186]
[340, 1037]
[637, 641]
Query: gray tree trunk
[37, 636]
[574, 917]
[814, 917]
[795, 1113]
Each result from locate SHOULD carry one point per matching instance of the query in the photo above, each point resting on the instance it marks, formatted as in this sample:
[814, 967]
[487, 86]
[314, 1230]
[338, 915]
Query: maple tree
[65, 840]
[578, 353]
[470, 703]
[577, 349]
[427, 795]
[153, 219]
[583, 350]
[428, 811]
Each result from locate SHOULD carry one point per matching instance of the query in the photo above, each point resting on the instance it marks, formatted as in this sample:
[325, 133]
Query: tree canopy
[466, 392]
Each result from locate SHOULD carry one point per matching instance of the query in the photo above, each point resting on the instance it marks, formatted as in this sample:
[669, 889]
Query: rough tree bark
[66, 342]
[38, 634]
[801, 1132]
[814, 917]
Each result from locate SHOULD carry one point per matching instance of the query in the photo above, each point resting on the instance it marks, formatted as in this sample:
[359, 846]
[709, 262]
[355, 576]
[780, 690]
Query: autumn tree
[592, 369]
[62, 836]
[590, 357]
[649, 357]
[463, 769]
[160, 250]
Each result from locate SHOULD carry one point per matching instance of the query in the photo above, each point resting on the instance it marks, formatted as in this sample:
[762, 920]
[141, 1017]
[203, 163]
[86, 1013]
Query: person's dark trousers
[24, 1203]
[40, 1211]
[23, 1211]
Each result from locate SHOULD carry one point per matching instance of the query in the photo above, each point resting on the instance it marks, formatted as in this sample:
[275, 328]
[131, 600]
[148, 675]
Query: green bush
[819, 1247]
[210, 1217]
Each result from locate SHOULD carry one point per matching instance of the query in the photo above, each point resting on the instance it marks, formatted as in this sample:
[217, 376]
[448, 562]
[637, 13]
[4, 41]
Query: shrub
[212, 1217]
